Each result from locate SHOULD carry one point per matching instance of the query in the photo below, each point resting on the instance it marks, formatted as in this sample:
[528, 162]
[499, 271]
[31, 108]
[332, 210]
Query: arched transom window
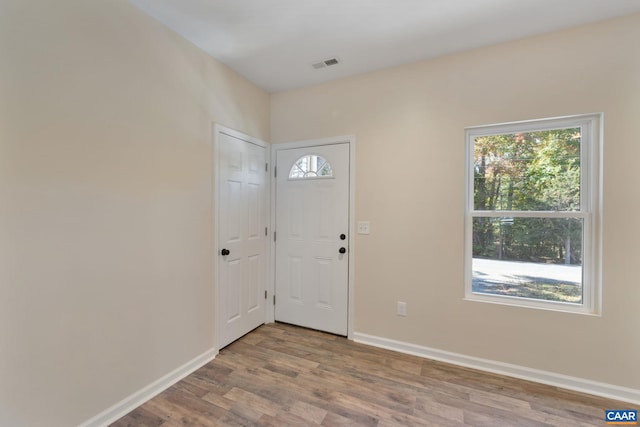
[311, 166]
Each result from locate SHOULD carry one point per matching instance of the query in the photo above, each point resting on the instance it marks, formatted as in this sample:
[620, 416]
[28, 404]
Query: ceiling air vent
[325, 63]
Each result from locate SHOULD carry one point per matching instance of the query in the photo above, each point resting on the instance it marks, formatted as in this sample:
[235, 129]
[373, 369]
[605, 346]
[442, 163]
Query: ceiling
[274, 43]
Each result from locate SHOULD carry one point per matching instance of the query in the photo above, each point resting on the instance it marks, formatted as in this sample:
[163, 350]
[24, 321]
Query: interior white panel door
[242, 241]
[312, 226]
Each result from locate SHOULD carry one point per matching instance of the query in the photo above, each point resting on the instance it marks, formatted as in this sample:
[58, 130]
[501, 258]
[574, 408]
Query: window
[532, 215]
[310, 166]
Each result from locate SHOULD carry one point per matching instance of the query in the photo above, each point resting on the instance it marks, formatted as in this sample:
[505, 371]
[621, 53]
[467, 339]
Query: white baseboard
[550, 378]
[126, 405]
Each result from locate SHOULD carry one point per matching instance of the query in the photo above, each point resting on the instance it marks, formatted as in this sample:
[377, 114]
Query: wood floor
[282, 375]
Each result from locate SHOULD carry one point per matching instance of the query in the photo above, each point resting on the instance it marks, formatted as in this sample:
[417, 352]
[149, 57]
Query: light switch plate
[363, 227]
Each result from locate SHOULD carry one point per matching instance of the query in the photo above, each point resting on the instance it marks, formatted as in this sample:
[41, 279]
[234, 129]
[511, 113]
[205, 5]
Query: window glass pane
[539, 258]
[310, 166]
[528, 171]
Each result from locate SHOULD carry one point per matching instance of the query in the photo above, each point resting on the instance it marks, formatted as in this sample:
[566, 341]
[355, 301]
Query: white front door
[241, 236]
[312, 226]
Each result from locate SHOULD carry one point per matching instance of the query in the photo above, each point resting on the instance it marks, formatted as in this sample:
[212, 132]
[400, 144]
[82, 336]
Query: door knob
[342, 250]
[224, 252]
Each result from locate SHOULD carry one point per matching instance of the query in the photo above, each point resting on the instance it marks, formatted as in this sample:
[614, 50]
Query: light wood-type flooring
[282, 375]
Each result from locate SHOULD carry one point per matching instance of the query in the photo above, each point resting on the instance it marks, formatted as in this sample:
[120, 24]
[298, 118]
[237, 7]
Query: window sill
[561, 307]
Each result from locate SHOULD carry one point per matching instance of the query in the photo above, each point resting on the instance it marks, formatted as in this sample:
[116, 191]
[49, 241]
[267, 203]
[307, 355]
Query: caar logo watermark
[621, 417]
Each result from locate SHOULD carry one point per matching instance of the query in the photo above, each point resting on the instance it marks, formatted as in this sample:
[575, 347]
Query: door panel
[311, 213]
[241, 231]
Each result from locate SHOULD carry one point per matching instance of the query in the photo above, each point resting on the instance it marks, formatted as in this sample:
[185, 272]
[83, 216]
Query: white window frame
[590, 210]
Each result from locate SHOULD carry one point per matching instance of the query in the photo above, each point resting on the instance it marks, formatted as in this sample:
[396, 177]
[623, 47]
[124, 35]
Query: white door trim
[217, 131]
[351, 140]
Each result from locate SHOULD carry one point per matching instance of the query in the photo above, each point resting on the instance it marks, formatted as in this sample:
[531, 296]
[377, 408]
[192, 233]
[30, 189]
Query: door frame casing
[219, 129]
[345, 139]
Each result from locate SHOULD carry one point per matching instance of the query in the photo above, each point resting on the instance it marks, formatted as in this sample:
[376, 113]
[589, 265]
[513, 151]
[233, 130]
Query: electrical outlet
[401, 309]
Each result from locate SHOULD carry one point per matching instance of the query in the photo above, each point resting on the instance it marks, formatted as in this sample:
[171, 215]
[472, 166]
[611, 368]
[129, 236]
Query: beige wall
[409, 123]
[105, 203]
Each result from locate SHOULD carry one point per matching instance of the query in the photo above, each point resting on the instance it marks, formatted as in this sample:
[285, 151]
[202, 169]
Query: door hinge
[266, 167]
[274, 299]
[265, 294]
[274, 236]
[266, 233]
[275, 171]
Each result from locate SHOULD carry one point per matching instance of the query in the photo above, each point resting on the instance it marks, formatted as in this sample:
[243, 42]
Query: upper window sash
[589, 127]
